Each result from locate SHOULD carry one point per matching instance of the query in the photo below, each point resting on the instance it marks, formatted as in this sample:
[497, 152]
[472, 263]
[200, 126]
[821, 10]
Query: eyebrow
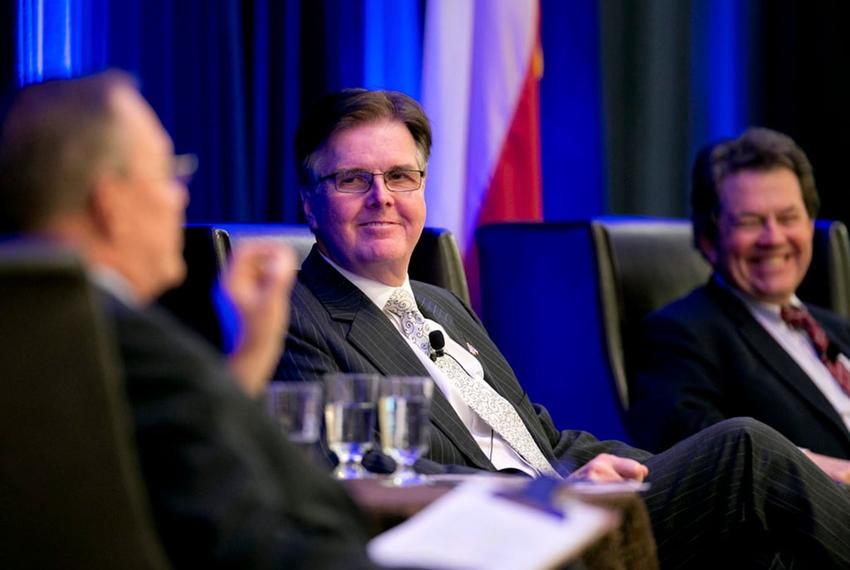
[748, 213]
[393, 167]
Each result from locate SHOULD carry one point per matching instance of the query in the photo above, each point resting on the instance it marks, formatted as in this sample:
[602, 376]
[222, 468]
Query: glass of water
[350, 423]
[296, 407]
[403, 412]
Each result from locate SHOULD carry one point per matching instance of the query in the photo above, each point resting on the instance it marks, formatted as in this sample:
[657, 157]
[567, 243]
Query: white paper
[612, 488]
[471, 529]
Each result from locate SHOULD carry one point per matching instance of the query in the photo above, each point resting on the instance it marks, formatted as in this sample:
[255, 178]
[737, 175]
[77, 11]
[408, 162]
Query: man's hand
[605, 468]
[837, 469]
[258, 281]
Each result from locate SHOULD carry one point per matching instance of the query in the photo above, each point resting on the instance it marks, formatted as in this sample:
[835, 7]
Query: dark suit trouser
[731, 483]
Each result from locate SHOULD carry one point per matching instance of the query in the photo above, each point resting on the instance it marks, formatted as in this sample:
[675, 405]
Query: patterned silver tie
[480, 396]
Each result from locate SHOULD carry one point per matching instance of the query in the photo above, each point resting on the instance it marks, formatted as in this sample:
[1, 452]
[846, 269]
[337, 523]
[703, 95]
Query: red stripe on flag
[516, 187]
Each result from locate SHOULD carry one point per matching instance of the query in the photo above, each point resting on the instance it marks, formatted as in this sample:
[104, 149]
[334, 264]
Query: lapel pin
[472, 350]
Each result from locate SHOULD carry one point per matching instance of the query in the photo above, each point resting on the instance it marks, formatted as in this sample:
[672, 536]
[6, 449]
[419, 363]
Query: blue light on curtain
[60, 38]
[719, 76]
[44, 39]
[571, 115]
[228, 78]
[725, 70]
[392, 45]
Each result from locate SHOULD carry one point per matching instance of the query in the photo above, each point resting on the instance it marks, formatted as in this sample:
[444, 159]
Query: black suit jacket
[226, 489]
[705, 358]
[335, 327]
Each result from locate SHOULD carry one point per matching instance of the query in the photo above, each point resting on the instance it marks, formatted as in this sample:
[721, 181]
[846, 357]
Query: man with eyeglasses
[86, 163]
[737, 493]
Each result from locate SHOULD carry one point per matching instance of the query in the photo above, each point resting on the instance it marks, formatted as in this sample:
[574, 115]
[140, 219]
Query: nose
[378, 193]
[771, 232]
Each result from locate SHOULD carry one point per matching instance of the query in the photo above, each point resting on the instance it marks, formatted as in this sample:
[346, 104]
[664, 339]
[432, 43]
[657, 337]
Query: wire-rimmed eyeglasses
[360, 181]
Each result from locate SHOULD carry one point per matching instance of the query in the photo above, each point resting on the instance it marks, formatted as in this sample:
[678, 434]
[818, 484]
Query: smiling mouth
[772, 261]
[377, 224]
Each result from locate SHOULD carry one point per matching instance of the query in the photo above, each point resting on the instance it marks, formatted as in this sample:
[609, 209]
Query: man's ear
[307, 207]
[709, 251]
[105, 205]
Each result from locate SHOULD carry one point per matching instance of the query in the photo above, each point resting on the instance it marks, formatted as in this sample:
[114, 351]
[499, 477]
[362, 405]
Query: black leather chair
[827, 282]
[71, 493]
[436, 258]
[641, 265]
[563, 300]
[540, 304]
[645, 263]
[197, 303]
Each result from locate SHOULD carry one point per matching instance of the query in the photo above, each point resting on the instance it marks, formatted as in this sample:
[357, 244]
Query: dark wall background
[680, 74]
[802, 88]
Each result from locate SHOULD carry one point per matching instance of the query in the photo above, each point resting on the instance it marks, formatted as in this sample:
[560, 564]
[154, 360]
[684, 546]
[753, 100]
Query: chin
[172, 277]
[179, 274]
[774, 296]
[382, 253]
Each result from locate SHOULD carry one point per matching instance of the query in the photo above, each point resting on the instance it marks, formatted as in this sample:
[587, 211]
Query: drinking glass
[403, 412]
[296, 406]
[350, 420]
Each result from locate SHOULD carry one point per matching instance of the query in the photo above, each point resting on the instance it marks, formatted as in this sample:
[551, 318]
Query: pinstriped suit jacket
[335, 327]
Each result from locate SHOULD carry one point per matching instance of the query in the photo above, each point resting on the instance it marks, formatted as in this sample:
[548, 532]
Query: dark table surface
[629, 546]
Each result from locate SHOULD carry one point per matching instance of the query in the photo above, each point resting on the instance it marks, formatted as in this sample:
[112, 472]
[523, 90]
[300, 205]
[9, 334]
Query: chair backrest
[71, 493]
[540, 304]
[827, 282]
[645, 263]
[198, 304]
[641, 265]
[205, 250]
[564, 300]
[436, 258]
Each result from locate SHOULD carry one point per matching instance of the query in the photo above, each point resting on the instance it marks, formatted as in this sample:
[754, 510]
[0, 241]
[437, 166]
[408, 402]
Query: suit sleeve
[573, 448]
[225, 489]
[308, 354]
[678, 386]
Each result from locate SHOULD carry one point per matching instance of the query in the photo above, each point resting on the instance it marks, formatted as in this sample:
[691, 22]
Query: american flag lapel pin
[472, 350]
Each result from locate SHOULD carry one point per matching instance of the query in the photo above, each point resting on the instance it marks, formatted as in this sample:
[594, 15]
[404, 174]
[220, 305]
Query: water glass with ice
[296, 407]
[350, 423]
[403, 412]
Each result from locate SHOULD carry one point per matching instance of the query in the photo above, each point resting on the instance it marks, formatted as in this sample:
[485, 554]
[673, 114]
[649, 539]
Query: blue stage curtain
[207, 68]
[571, 118]
[228, 77]
[721, 70]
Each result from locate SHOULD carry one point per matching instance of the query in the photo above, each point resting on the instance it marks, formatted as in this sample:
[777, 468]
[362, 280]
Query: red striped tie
[800, 318]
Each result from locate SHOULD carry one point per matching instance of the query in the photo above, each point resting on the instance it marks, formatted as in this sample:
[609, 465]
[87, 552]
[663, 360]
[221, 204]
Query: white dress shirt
[110, 280]
[799, 346]
[501, 455]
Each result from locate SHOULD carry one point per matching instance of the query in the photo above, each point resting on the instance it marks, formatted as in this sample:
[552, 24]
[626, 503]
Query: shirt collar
[377, 292]
[770, 310]
[110, 280]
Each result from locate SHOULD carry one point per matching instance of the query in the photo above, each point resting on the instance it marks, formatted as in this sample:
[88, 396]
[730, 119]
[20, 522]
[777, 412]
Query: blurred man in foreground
[87, 163]
[737, 493]
[733, 347]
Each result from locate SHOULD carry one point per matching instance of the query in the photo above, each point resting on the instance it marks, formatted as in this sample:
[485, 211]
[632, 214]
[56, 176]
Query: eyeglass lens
[395, 180]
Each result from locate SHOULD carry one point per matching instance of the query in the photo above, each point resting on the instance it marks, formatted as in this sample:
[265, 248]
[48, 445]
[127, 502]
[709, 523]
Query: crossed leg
[739, 494]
